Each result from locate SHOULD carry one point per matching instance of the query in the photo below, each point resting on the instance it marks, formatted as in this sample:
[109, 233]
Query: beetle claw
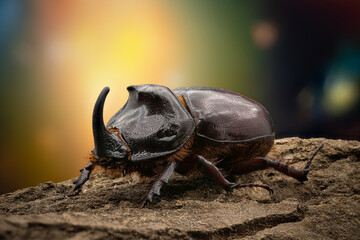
[81, 180]
[229, 189]
[146, 201]
[75, 193]
[148, 198]
[305, 171]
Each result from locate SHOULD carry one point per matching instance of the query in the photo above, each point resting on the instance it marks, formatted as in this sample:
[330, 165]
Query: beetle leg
[157, 185]
[313, 155]
[300, 175]
[220, 179]
[284, 168]
[84, 176]
[215, 173]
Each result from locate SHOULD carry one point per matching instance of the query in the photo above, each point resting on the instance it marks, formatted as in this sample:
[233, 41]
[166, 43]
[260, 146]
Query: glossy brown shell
[226, 116]
[153, 122]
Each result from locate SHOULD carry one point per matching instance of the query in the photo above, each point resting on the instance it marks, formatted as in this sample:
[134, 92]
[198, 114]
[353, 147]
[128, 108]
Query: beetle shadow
[114, 194]
[200, 188]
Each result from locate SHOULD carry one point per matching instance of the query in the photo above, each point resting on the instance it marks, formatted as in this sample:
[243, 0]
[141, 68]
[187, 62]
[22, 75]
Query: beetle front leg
[80, 181]
[157, 185]
[220, 179]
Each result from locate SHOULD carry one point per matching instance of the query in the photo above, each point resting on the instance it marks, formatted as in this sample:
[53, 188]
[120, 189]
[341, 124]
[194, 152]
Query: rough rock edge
[332, 193]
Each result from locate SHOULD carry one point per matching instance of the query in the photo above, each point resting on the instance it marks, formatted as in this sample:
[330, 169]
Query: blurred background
[300, 59]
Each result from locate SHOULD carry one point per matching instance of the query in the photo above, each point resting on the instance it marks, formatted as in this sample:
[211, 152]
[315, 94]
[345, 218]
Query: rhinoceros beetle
[159, 131]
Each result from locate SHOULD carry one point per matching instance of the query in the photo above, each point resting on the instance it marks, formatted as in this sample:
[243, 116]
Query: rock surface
[325, 207]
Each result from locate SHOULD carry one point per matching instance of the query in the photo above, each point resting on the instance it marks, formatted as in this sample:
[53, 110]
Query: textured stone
[325, 207]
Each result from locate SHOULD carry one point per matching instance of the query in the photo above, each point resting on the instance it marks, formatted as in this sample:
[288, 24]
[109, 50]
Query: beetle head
[110, 151]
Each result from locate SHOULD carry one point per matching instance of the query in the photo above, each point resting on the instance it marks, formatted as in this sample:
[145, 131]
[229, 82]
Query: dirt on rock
[194, 207]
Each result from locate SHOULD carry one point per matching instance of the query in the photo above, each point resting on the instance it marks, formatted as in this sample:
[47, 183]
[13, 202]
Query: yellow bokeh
[341, 96]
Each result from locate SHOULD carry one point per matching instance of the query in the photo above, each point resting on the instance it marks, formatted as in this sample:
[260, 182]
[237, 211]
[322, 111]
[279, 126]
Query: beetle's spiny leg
[157, 185]
[284, 168]
[215, 173]
[240, 185]
[313, 155]
[300, 175]
[84, 176]
[219, 178]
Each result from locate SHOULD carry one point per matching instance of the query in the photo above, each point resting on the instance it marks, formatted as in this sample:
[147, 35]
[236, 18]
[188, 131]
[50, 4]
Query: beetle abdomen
[226, 116]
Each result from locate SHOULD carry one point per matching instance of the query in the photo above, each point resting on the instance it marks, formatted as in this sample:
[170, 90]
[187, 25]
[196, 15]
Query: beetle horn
[101, 134]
